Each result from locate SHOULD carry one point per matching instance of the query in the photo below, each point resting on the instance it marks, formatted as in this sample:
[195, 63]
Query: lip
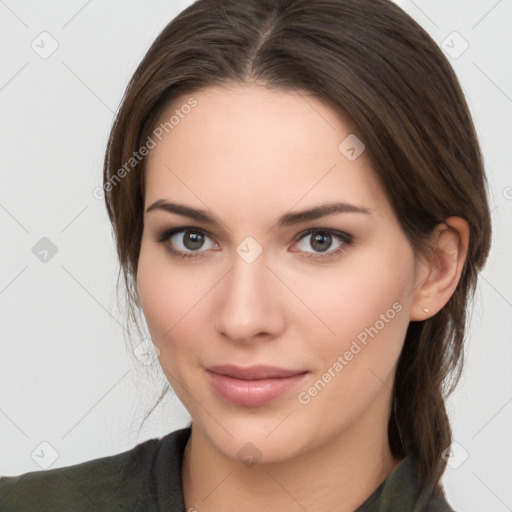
[252, 386]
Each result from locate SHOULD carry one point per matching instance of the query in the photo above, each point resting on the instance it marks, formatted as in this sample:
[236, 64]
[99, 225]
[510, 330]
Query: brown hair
[376, 66]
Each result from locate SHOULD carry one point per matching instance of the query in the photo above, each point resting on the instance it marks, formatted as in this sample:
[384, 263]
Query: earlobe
[441, 273]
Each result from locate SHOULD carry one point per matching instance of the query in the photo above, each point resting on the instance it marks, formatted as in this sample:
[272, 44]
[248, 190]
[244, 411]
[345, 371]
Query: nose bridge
[248, 303]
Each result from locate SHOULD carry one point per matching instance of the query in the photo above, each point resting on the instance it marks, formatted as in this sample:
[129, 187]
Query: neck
[338, 475]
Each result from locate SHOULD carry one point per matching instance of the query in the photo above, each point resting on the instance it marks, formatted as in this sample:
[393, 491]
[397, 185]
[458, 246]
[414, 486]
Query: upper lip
[253, 372]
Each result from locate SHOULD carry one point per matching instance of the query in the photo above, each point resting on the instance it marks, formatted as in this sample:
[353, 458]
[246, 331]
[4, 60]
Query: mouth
[252, 386]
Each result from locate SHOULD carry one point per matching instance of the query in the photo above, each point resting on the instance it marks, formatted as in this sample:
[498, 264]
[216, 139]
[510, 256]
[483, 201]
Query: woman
[299, 206]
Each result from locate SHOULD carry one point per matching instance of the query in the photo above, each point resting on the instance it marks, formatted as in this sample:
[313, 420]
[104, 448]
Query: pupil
[321, 242]
[193, 240]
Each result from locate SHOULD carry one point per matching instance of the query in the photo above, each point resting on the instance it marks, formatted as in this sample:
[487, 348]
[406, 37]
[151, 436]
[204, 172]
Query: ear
[439, 274]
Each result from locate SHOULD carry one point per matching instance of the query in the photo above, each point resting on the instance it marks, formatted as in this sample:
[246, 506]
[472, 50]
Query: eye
[186, 241]
[323, 242]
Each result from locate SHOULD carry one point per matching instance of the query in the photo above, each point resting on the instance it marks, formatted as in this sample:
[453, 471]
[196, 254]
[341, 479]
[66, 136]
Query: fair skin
[248, 155]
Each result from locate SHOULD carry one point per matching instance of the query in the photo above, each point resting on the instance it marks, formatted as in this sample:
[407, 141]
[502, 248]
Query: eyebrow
[288, 219]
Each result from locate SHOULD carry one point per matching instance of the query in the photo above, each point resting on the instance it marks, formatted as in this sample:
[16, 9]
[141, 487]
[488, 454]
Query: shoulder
[121, 482]
[402, 491]
[426, 497]
[438, 502]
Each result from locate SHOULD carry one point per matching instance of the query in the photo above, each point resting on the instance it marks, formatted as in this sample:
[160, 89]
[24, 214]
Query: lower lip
[252, 393]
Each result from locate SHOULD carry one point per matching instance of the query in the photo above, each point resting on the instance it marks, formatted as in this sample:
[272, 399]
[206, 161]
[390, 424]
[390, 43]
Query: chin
[255, 439]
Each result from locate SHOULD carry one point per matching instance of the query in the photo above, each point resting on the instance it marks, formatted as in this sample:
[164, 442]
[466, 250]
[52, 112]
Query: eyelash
[345, 238]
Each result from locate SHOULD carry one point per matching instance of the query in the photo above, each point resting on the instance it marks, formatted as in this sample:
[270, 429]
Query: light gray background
[66, 378]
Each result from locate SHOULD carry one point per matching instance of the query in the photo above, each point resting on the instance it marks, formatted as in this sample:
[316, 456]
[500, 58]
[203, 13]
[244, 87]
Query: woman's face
[252, 279]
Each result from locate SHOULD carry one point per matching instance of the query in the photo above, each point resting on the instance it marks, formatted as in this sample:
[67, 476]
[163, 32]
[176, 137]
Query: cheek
[355, 365]
[366, 299]
[167, 294]
[364, 306]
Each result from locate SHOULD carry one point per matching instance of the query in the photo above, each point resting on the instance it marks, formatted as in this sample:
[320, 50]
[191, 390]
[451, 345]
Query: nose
[249, 303]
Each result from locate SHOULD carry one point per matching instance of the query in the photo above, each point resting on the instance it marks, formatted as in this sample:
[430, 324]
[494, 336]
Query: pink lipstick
[252, 386]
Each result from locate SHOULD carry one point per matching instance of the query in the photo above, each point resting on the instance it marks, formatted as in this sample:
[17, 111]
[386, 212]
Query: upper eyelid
[173, 231]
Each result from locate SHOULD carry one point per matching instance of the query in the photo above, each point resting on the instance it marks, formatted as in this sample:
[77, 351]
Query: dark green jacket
[147, 478]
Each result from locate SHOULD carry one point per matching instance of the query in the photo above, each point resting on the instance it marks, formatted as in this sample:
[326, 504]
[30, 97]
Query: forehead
[248, 142]
[252, 115]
